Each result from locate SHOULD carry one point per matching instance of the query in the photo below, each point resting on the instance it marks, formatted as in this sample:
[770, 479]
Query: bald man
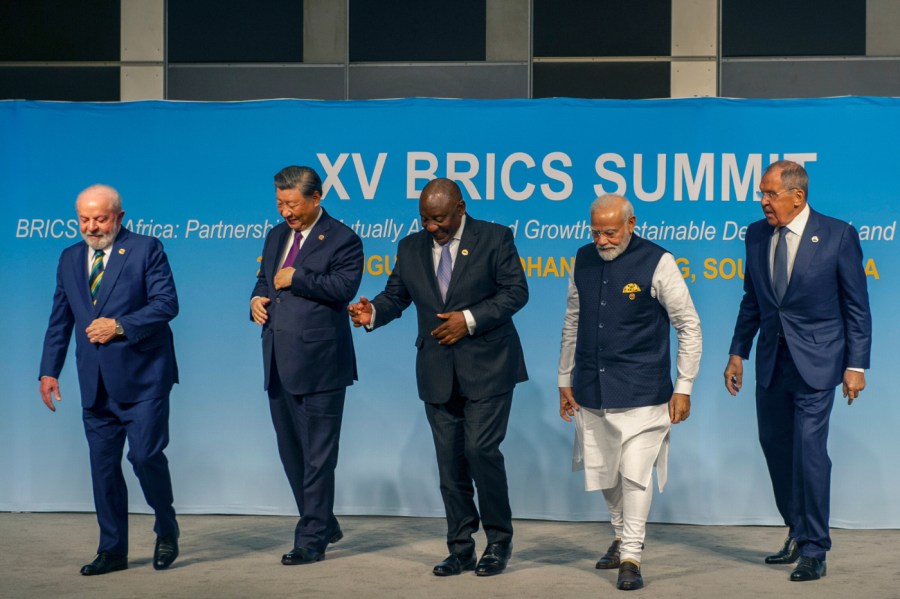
[466, 280]
[115, 290]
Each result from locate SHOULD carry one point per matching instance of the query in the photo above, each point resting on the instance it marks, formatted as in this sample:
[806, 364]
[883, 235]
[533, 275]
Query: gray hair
[115, 200]
[793, 175]
[611, 200]
[303, 178]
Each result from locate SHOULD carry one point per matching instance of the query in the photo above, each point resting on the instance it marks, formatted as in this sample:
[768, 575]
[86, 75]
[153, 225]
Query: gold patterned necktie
[96, 274]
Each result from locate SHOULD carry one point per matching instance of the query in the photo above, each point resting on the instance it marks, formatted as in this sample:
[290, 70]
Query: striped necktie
[444, 270]
[96, 274]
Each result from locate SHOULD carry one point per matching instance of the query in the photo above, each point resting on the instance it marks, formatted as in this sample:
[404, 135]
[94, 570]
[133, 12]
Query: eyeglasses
[771, 195]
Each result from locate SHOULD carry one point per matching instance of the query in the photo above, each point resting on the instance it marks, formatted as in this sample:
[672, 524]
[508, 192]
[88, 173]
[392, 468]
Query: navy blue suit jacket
[824, 312]
[138, 290]
[308, 331]
[488, 280]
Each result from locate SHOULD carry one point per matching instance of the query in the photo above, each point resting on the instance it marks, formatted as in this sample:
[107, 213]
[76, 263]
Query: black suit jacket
[489, 281]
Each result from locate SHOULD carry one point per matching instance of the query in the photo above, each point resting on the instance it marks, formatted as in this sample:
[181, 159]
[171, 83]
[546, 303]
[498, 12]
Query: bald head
[99, 209]
[441, 207]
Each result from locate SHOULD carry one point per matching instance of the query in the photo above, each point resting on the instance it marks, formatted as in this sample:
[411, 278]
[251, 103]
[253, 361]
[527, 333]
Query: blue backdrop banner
[199, 176]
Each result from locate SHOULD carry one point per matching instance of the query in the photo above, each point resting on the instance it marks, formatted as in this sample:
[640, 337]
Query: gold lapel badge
[321, 237]
[121, 251]
[464, 252]
[631, 289]
[815, 239]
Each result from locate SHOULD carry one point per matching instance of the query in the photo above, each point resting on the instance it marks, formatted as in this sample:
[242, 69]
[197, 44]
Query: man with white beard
[615, 371]
[116, 295]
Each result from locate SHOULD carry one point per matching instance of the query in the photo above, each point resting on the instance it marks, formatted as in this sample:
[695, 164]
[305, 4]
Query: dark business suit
[124, 383]
[467, 387]
[309, 362]
[821, 326]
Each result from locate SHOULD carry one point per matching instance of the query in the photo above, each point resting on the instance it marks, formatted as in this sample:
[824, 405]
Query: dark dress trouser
[308, 431]
[793, 431]
[467, 436]
[145, 424]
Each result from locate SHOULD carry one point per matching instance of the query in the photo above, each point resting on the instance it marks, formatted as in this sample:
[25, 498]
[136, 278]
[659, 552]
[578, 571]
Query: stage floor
[239, 556]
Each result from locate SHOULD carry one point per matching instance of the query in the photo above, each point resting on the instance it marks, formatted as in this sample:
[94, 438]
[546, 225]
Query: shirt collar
[457, 236]
[798, 225]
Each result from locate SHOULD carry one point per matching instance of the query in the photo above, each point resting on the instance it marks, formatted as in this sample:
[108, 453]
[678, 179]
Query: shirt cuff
[564, 380]
[683, 387]
[470, 321]
[854, 369]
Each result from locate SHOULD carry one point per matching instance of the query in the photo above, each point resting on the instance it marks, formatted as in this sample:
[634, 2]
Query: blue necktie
[445, 268]
[779, 268]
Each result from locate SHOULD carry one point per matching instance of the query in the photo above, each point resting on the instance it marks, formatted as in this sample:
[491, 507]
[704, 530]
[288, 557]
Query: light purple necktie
[295, 249]
[445, 268]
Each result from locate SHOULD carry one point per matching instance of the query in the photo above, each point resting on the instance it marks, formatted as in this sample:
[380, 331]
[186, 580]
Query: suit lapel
[273, 260]
[467, 246]
[765, 260]
[117, 258]
[81, 274]
[315, 238]
[806, 252]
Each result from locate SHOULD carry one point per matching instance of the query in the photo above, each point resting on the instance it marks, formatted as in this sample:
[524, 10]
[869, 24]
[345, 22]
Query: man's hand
[101, 331]
[284, 277]
[452, 329]
[734, 374]
[567, 405]
[360, 312]
[679, 407]
[49, 389]
[258, 309]
[854, 382]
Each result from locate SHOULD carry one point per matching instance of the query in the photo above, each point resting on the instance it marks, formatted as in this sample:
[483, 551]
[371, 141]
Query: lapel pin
[465, 252]
[815, 239]
[121, 251]
[321, 237]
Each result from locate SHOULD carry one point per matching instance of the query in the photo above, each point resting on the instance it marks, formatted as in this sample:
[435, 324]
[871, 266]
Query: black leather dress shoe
[494, 559]
[808, 568]
[335, 536]
[630, 578]
[104, 563]
[611, 559]
[165, 552]
[301, 555]
[454, 564]
[788, 554]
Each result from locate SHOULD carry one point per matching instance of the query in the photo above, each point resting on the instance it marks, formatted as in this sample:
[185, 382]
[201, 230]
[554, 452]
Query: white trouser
[629, 504]
[617, 449]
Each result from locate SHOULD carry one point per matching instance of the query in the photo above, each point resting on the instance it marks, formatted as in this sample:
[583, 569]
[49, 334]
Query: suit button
[604, 281]
[602, 370]
[602, 302]
[599, 349]
[277, 300]
[601, 325]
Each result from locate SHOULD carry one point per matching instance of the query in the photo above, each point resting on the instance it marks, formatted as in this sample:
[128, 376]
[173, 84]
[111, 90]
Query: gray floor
[238, 556]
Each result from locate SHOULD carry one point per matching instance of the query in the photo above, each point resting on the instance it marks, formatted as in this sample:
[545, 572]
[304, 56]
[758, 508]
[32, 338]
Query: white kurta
[629, 441]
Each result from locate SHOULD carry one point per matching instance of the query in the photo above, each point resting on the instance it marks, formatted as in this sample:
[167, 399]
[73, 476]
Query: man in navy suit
[805, 294]
[311, 268]
[117, 292]
[466, 280]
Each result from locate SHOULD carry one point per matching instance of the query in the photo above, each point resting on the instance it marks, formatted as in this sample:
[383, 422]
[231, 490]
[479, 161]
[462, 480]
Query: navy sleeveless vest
[622, 350]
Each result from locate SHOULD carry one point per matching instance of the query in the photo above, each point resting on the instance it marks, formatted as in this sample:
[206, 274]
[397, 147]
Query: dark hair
[299, 177]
